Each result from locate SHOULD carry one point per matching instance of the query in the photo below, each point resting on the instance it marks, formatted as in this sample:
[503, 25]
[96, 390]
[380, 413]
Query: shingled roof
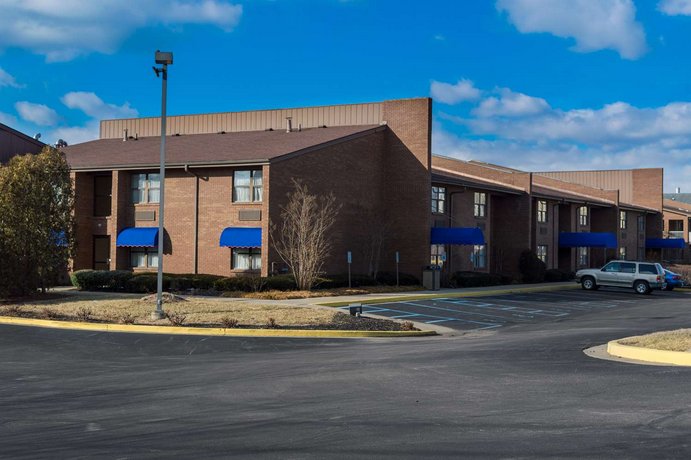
[206, 149]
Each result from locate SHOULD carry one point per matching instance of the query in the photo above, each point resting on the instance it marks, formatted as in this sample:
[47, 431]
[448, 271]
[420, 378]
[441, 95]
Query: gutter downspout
[196, 217]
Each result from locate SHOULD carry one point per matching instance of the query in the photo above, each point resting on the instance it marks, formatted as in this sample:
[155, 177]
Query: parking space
[492, 312]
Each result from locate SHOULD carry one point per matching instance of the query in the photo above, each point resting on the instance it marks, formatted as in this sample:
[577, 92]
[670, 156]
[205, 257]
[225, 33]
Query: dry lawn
[287, 295]
[679, 340]
[193, 312]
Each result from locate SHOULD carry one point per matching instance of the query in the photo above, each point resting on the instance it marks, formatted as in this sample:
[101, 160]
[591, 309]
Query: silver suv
[643, 277]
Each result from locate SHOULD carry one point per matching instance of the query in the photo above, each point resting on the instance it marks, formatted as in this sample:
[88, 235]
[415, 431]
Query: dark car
[673, 280]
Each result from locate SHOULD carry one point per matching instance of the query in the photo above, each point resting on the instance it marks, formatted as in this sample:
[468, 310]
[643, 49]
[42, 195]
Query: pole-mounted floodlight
[164, 59]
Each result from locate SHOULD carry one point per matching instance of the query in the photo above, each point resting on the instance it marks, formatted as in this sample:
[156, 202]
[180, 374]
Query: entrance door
[101, 253]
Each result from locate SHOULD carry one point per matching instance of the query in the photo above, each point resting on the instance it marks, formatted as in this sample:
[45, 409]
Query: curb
[208, 331]
[678, 358]
[450, 295]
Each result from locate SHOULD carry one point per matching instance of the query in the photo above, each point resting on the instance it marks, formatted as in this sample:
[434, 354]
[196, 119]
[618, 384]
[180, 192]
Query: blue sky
[533, 84]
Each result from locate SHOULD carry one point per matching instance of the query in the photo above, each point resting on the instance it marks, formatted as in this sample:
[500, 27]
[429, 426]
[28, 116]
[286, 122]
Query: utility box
[431, 276]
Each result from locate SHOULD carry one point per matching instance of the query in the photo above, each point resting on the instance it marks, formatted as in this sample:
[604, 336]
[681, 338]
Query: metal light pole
[164, 59]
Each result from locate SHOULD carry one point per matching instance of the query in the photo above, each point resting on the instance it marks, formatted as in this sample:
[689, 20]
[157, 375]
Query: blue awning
[665, 243]
[457, 235]
[587, 240]
[241, 237]
[138, 237]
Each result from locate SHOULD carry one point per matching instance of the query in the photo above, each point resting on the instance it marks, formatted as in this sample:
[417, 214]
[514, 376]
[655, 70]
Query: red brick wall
[647, 187]
[511, 230]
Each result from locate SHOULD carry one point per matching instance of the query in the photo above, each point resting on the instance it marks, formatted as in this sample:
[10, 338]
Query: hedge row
[126, 281]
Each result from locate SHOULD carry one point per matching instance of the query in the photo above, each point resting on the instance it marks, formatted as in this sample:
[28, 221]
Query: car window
[648, 269]
[628, 267]
[612, 267]
[660, 269]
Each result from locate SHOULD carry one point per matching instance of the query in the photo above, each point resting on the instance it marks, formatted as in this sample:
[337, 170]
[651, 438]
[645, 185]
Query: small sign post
[398, 260]
[350, 261]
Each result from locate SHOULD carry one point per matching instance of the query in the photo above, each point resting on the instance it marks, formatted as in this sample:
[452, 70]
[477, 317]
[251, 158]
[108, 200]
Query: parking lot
[492, 312]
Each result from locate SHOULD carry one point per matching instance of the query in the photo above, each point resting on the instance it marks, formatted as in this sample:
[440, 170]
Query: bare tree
[302, 239]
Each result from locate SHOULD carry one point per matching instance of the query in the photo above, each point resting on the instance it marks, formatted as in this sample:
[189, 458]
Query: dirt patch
[198, 312]
[679, 340]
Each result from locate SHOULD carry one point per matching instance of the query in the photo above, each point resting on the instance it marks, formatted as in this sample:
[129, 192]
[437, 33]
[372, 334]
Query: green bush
[531, 267]
[100, 280]
[236, 283]
[280, 283]
[145, 283]
[466, 279]
[404, 279]
[554, 275]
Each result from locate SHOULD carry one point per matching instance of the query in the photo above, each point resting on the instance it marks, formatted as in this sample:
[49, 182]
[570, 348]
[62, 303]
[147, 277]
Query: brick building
[13, 142]
[233, 171]
[228, 175]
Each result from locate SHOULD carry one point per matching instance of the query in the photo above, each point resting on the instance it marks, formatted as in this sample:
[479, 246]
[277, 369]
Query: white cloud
[64, 29]
[92, 105]
[511, 104]
[446, 93]
[8, 119]
[39, 114]
[675, 7]
[593, 24]
[8, 80]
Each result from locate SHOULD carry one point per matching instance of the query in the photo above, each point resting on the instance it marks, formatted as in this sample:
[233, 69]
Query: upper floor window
[247, 186]
[438, 199]
[542, 212]
[480, 208]
[146, 188]
[641, 223]
[622, 220]
[583, 215]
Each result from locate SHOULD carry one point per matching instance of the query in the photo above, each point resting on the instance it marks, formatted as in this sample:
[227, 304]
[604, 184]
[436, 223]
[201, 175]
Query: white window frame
[438, 199]
[150, 257]
[251, 258]
[479, 256]
[144, 193]
[480, 204]
[582, 255]
[622, 253]
[542, 211]
[583, 216]
[541, 252]
[623, 220]
[254, 188]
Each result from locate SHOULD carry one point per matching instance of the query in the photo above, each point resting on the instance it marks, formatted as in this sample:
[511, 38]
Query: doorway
[101, 253]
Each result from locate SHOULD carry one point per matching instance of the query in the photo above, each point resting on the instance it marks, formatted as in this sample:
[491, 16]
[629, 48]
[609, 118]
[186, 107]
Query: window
[438, 199]
[479, 255]
[641, 224]
[583, 216]
[480, 209]
[144, 257]
[438, 254]
[542, 211]
[676, 228]
[582, 256]
[641, 253]
[542, 252]
[146, 188]
[648, 269]
[612, 267]
[628, 267]
[246, 259]
[102, 195]
[622, 220]
[247, 186]
[622, 253]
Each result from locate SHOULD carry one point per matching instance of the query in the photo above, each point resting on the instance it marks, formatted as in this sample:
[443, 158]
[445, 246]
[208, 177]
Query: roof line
[131, 167]
[339, 140]
[470, 176]
[602, 200]
[22, 135]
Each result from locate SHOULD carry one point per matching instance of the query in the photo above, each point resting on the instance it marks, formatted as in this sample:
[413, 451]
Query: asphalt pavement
[523, 390]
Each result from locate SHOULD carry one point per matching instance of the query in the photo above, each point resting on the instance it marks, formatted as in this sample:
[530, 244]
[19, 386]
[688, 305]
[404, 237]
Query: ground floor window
[479, 256]
[438, 255]
[582, 256]
[246, 259]
[144, 257]
[641, 253]
[622, 253]
[542, 252]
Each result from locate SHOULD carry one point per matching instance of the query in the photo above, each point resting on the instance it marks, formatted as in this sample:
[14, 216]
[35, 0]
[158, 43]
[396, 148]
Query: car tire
[669, 288]
[588, 283]
[641, 287]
